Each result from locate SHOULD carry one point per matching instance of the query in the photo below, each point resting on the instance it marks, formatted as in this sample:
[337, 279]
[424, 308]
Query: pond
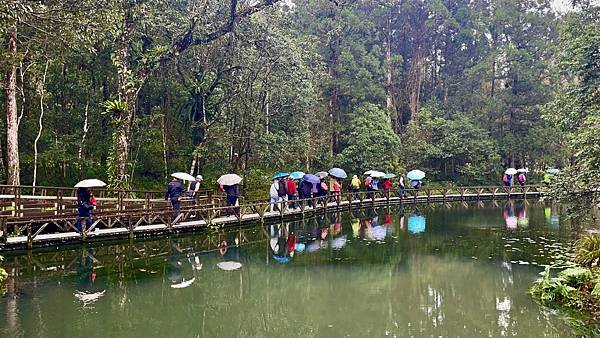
[431, 270]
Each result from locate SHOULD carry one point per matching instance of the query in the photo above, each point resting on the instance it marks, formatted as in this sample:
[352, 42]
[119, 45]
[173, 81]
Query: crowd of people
[286, 191]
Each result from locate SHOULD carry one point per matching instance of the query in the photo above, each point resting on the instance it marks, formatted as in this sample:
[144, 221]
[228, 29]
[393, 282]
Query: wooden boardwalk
[139, 218]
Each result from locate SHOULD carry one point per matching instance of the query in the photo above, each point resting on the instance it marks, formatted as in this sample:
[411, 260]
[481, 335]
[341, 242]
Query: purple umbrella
[311, 179]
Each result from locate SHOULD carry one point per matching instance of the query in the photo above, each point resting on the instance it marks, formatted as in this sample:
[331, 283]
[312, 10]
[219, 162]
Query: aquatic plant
[556, 290]
[576, 275]
[587, 250]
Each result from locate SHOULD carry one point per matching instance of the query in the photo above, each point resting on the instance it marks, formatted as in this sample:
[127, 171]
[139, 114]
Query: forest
[131, 90]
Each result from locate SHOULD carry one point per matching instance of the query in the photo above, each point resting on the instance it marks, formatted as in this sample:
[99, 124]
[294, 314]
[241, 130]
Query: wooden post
[4, 224]
[17, 200]
[29, 236]
[130, 226]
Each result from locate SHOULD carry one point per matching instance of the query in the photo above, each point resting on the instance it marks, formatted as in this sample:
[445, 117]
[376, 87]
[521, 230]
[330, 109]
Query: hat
[199, 177]
[354, 176]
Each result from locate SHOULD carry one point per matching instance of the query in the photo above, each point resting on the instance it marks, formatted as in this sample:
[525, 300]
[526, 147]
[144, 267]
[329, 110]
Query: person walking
[402, 187]
[305, 192]
[292, 192]
[369, 186]
[282, 194]
[274, 194]
[507, 179]
[522, 179]
[355, 185]
[174, 190]
[232, 192]
[193, 189]
[337, 190]
[84, 207]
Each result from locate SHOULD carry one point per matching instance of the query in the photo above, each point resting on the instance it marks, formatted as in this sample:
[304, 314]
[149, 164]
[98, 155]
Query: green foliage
[456, 148]
[3, 274]
[369, 141]
[587, 250]
[596, 290]
[576, 275]
[575, 110]
[556, 290]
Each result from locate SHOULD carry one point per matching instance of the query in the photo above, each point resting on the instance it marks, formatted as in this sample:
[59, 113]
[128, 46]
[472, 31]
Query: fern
[587, 250]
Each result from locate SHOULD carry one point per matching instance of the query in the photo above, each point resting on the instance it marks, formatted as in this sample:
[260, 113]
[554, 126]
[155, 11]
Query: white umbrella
[183, 284]
[229, 179]
[229, 265]
[510, 171]
[523, 170]
[377, 174]
[90, 183]
[184, 176]
[369, 172]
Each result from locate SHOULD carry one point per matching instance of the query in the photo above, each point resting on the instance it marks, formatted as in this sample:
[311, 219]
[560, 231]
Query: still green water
[445, 270]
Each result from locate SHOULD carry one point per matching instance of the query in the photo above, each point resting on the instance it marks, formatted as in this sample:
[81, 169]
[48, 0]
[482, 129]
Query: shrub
[587, 250]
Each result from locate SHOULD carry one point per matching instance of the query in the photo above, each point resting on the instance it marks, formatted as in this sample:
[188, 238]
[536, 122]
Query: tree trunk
[389, 102]
[414, 84]
[12, 127]
[41, 126]
[82, 144]
[164, 143]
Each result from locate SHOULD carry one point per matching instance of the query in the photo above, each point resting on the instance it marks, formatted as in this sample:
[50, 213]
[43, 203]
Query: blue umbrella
[281, 259]
[297, 175]
[553, 171]
[415, 175]
[280, 175]
[311, 179]
[337, 172]
[416, 224]
[389, 176]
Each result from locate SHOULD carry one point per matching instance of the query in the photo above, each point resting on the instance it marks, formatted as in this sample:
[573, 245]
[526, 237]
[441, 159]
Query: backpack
[281, 191]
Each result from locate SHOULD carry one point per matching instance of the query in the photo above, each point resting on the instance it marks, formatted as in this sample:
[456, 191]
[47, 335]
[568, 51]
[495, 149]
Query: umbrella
[281, 259]
[90, 183]
[311, 178]
[321, 174]
[229, 179]
[378, 233]
[552, 171]
[229, 265]
[184, 176]
[339, 242]
[369, 172]
[337, 172]
[416, 224]
[297, 175]
[183, 284]
[415, 175]
[522, 170]
[280, 175]
[376, 174]
[300, 247]
[510, 171]
[389, 176]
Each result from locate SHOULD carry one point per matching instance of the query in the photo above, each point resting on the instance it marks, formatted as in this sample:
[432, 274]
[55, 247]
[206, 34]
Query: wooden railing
[150, 217]
[25, 202]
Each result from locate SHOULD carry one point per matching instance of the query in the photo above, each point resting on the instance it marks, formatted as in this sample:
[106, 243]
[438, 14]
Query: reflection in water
[416, 223]
[467, 276]
[509, 215]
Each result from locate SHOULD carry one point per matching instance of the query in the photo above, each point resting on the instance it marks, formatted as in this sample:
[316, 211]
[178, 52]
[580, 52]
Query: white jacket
[273, 191]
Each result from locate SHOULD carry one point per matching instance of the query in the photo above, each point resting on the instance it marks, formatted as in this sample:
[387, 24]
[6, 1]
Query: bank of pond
[403, 271]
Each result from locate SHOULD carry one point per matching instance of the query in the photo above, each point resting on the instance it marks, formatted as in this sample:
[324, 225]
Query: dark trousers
[291, 199]
[84, 213]
[231, 203]
[176, 207]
